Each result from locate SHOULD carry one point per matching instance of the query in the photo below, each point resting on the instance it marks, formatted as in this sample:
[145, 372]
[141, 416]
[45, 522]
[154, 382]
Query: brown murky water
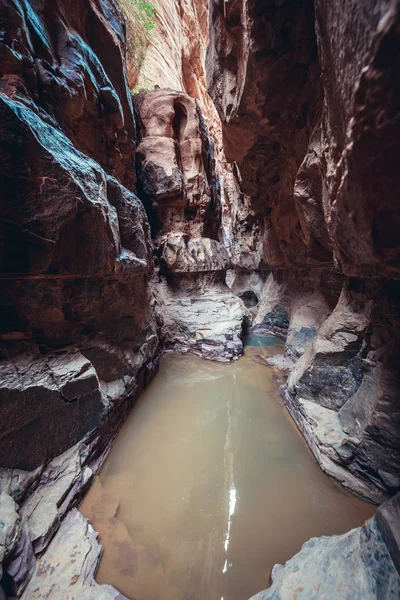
[209, 484]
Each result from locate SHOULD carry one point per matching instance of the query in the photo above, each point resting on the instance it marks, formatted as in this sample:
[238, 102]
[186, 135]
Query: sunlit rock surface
[176, 165]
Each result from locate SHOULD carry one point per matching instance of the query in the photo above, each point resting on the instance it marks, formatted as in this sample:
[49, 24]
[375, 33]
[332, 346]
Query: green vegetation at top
[146, 14]
[146, 86]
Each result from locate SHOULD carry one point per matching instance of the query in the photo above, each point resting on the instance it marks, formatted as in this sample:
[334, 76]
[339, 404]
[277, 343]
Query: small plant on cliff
[146, 87]
[146, 14]
[141, 19]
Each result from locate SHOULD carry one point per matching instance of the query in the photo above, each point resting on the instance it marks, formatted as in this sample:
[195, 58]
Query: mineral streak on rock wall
[78, 335]
[309, 101]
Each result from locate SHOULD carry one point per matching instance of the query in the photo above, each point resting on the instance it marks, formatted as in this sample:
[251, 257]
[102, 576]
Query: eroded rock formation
[177, 179]
[96, 282]
[78, 336]
[308, 94]
[176, 165]
[309, 117]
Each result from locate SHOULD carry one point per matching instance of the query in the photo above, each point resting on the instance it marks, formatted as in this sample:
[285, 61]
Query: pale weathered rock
[353, 566]
[387, 517]
[9, 527]
[22, 563]
[48, 493]
[45, 508]
[202, 317]
[349, 370]
[68, 568]
[181, 254]
[263, 75]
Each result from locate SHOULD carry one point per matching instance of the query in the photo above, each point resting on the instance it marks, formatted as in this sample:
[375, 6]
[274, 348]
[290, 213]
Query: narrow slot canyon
[200, 300]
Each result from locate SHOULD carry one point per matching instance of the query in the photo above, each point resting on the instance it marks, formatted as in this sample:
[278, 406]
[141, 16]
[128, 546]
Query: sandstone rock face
[309, 119]
[75, 240]
[78, 339]
[176, 165]
[179, 185]
[359, 133]
[350, 371]
[307, 204]
[263, 75]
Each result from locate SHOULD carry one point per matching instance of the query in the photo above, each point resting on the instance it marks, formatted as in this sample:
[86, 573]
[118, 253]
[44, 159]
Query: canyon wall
[85, 314]
[308, 98]
[291, 200]
[78, 335]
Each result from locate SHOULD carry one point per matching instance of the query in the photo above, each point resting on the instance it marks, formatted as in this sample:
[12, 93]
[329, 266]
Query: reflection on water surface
[209, 484]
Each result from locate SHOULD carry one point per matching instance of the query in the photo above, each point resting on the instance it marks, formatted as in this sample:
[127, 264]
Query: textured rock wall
[75, 240]
[309, 101]
[178, 181]
[78, 337]
[263, 75]
[319, 570]
[308, 98]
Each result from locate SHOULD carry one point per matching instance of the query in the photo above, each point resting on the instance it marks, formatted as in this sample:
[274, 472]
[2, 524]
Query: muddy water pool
[209, 484]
